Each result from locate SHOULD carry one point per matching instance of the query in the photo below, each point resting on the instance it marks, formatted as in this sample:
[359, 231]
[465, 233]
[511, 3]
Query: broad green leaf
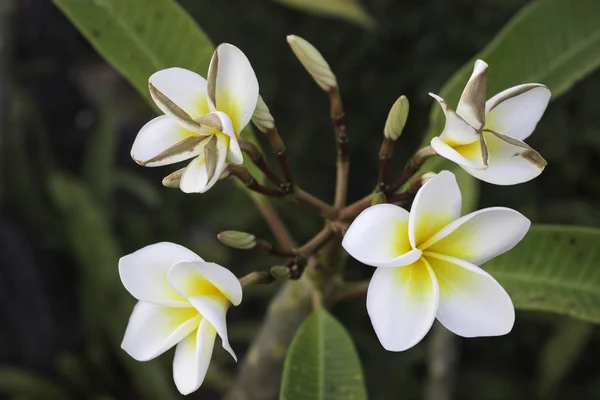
[350, 10]
[140, 37]
[554, 42]
[322, 363]
[17, 382]
[105, 304]
[555, 268]
[560, 353]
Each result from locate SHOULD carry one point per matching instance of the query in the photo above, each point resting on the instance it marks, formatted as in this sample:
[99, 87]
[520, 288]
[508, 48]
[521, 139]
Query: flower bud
[262, 117]
[280, 272]
[378, 198]
[237, 240]
[313, 62]
[172, 181]
[394, 125]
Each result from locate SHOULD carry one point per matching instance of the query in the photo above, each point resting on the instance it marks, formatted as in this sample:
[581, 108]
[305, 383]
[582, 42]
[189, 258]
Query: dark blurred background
[73, 201]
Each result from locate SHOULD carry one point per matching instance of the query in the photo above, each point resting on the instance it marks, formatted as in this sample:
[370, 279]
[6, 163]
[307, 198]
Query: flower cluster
[428, 260]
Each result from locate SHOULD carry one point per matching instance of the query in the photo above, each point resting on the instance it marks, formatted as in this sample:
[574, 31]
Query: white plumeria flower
[428, 265]
[183, 301]
[203, 119]
[486, 138]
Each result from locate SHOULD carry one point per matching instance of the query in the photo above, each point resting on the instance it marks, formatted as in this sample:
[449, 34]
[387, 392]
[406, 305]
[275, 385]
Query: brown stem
[280, 152]
[276, 225]
[268, 247]
[412, 167]
[315, 204]
[316, 243]
[247, 179]
[385, 154]
[255, 278]
[259, 160]
[399, 197]
[355, 208]
[349, 291]
[341, 139]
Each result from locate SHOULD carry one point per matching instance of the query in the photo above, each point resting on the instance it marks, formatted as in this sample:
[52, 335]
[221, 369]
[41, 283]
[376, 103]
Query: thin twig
[355, 208]
[276, 225]
[341, 140]
[385, 154]
[316, 243]
[412, 167]
[255, 278]
[259, 160]
[268, 247]
[251, 183]
[315, 204]
[349, 291]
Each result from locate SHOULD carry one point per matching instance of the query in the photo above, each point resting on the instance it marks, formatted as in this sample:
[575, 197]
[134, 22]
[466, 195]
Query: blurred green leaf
[105, 303]
[554, 42]
[144, 190]
[18, 382]
[555, 268]
[560, 353]
[350, 10]
[322, 362]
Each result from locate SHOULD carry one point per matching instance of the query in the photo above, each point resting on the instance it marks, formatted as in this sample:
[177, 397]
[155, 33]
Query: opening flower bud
[313, 62]
[396, 120]
[237, 240]
[262, 117]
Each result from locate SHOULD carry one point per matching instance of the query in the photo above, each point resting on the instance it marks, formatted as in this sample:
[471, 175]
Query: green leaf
[555, 268]
[322, 362]
[554, 42]
[20, 382]
[560, 354]
[350, 10]
[139, 37]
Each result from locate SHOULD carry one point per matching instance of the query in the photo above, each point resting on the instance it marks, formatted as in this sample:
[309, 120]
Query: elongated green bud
[237, 240]
[396, 120]
[313, 62]
[262, 117]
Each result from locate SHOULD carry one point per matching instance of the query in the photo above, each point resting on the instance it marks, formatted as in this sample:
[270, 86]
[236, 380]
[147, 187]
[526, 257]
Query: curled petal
[153, 329]
[379, 237]
[474, 155]
[516, 111]
[481, 235]
[204, 171]
[144, 273]
[436, 204]
[218, 121]
[471, 106]
[205, 279]
[472, 303]
[232, 85]
[192, 358]
[456, 131]
[511, 161]
[184, 88]
[163, 141]
[402, 304]
[214, 310]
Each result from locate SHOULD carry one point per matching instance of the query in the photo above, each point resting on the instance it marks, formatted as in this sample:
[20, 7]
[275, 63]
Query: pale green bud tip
[237, 240]
[280, 272]
[378, 198]
[313, 62]
[262, 117]
[396, 120]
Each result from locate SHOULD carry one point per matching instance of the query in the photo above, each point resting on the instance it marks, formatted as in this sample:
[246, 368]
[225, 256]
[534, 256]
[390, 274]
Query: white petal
[472, 303]
[197, 177]
[224, 125]
[516, 111]
[205, 279]
[456, 131]
[184, 88]
[214, 310]
[144, 273]
[153, 329]
[471, 106]
[402, 303]
[436, 204]
[480, 236]
[152, 144]
[192, 358]
[379, 237]
[473, 155]
[232, 85]
[510, 163]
